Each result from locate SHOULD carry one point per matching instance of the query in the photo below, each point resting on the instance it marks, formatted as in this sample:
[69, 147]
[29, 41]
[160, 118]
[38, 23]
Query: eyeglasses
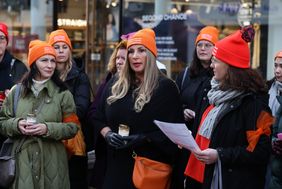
[2, 38]
[206, 45]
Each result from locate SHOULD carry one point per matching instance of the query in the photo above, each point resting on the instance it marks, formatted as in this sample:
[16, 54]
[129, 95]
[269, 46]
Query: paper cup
[123, 130]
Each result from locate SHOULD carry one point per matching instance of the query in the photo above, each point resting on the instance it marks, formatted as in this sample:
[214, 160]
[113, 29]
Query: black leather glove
[277, 147]
[133, 140]
[114, 139]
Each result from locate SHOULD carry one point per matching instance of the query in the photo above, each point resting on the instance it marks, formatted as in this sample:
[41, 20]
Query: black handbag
[8, 170]
[8, 162]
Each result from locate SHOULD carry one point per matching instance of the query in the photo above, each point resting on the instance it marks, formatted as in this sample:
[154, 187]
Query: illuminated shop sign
[71, 22]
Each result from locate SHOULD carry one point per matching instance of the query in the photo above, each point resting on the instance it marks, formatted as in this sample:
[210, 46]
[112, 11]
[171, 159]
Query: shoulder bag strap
[12, 65]
[16, 98]
[184, 76]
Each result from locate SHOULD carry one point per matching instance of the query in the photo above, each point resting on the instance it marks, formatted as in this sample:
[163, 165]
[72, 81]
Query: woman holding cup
[140, 95]
[44, 99]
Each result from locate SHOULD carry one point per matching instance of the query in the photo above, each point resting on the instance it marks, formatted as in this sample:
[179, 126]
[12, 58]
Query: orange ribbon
[264, 122]
[75, 145]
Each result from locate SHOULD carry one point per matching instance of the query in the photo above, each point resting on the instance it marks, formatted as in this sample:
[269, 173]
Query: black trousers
[78, 169]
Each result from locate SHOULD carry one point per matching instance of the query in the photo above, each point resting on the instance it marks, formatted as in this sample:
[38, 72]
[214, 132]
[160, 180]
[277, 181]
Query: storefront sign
[171, 44]
[71, 22]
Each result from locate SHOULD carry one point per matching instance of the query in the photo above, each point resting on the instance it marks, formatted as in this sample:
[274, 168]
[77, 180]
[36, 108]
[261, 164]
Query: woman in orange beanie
[78, 83]
[234, 133]
[140, 95]
[32, 115]
[194, 84]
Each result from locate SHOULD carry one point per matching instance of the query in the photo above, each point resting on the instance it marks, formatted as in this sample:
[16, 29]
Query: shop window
[26, 20]
[177, 23]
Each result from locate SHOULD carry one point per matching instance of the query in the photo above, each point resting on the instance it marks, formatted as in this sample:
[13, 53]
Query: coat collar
[6, 61]
[74, 72]
[50, 87]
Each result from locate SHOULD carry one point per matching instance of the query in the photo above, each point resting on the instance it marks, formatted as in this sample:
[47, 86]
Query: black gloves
[114, 139]
[133, 140]
[277, 147]
[122, 142]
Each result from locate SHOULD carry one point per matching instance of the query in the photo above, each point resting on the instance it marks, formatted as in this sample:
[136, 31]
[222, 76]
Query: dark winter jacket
[276, 163]
[240, 168]
[97, 140]
[164, 105]
[11, 71]
[193, 94]
[79, 85]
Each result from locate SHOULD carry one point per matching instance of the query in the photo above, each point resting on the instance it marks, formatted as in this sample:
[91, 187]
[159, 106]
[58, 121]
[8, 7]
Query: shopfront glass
[177, 23]
[26, 20]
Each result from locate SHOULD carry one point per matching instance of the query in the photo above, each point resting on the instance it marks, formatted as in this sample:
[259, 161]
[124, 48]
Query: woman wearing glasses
[194, 83]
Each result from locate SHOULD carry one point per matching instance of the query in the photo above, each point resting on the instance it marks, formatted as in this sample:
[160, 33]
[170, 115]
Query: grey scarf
[219, 99]
[273, 93]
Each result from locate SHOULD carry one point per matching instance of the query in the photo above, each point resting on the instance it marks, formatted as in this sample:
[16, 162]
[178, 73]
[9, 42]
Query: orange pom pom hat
[234, 49]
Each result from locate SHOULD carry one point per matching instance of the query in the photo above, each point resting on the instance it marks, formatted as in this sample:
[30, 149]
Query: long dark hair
[27, 80]
[244, 80]
[196, 66]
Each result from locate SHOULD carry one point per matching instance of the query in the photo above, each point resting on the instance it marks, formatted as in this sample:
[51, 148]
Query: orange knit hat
[208, 33]
[145, 37]
[37, 49]
[59, 36]
[234, 49]
[278, 55]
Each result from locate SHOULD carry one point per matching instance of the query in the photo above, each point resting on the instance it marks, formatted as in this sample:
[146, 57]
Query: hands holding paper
[207, 156]
[180, 135]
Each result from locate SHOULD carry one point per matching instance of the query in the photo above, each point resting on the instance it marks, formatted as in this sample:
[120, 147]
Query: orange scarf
[195, 168]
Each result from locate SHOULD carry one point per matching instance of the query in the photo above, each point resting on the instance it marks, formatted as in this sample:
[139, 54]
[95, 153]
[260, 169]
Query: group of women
[222, 100]
[57, 92]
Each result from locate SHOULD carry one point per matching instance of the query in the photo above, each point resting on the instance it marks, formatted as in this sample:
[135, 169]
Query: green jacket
[43, 162]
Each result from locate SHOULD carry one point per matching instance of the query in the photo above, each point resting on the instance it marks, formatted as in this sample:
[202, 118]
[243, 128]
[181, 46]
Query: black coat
[193, 94]
[97, 140]
[11, 72]
[79, 85]
[240, 168]
[164, 105]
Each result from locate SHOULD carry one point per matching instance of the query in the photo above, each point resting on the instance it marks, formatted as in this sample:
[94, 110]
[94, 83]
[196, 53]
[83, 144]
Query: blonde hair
[64, 73]
[112, 62]
[145, 90]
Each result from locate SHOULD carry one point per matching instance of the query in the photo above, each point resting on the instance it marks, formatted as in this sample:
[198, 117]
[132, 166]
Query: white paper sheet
[179, 134]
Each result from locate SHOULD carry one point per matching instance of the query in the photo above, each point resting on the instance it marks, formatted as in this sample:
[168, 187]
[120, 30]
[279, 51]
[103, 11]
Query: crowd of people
[228, 107]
